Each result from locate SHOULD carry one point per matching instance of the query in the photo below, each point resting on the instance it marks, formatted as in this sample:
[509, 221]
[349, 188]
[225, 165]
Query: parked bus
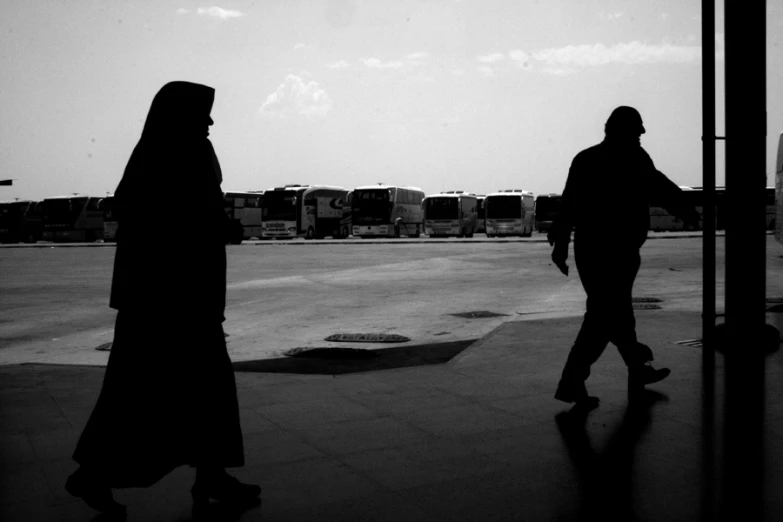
[312, 212]
[346, 221]
[452, 213]
[387, 211]
[106, 205]
[510, 213]
[20, 221]
[72, 218]
[779, 191]
[662, 220]
[545, 210]
[482, 218]
[245, 210]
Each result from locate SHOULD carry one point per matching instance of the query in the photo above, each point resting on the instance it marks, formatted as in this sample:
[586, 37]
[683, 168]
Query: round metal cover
[105, 347]
[646, 300]
[643, 306]
[367, 338]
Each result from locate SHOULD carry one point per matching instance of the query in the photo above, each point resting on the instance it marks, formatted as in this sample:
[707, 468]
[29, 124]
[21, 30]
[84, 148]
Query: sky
[474, 95]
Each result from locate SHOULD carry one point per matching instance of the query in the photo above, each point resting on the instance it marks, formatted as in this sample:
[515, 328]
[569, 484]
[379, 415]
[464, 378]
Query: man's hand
[560, 255]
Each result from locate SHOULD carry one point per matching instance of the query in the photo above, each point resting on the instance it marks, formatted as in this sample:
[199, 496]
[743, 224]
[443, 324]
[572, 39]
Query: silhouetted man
[607, 239]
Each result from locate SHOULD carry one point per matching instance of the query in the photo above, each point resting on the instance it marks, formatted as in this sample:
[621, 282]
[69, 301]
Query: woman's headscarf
[173, 152]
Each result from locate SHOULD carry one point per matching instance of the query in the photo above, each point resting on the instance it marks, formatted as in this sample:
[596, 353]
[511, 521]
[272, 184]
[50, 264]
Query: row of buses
[372, 211]
[293, 211]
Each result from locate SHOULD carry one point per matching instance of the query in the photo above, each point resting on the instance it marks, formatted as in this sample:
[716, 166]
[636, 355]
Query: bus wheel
[469, 235]
[310, 233]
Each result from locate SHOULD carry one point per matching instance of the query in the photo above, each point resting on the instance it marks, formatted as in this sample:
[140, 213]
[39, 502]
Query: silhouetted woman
[169, 396]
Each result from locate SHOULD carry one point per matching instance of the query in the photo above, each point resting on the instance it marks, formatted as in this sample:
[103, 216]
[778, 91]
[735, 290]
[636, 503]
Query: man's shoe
[640, 376]
[575, 392]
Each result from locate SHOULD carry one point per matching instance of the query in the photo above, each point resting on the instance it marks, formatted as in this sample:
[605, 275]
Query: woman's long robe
[169, 394]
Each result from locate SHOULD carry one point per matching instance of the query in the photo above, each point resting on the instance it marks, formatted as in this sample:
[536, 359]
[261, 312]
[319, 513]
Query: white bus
[546, 209]
[309, 211]
[779, 191]
[386, 211]
[452, 213]
[72, 218]
[245, 209]
[510, 213]
[110, 223]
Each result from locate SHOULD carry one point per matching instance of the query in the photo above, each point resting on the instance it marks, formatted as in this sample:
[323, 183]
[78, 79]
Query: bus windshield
[57, 210]
[371, 205]
[442, 208]
[547, 206]
[279, 205]
[503, 207]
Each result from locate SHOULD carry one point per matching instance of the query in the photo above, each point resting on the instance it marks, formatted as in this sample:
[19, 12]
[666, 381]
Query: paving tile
[53, 444]
[419, 464]
[383, 507]
[22, 483]
[253, 422]
[510, 494]
[341, 438]
[312, 412]
[278, 446]
[305, 483]
[406, 399]
[460, 420]
[15, 448]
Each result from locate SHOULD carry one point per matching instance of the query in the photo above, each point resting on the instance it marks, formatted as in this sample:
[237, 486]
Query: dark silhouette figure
[169, 397]
[606, 477]
[620, 171]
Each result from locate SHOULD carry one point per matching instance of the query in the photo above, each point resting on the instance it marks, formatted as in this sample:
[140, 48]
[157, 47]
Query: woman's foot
[221, 486]
[97, 496]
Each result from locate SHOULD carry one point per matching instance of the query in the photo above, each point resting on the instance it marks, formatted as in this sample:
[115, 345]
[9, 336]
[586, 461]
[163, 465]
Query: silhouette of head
[180, 111]
[624, 125]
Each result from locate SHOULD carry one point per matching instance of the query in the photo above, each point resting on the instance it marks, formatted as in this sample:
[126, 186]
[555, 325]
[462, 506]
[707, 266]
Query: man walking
[607, 258]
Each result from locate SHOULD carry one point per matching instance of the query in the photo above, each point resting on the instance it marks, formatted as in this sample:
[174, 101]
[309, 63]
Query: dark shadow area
[335, 361]
[481, 314]
[606, 478]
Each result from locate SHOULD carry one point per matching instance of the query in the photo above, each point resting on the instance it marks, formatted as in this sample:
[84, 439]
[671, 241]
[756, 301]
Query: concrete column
[745, 36]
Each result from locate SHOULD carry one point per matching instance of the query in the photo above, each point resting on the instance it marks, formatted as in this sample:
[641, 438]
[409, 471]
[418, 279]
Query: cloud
[491, 58]
[417, 56]
[301, 45]
[293, 96]
[486, 71]
[342, 64]
[182, 11]
[610, 16]
[219, 12]
[567, 59]
[377, 64]
[458, 72]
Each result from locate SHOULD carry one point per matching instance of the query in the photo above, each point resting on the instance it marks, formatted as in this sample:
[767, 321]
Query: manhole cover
[477, 315]
[646, 300]
[693, 343]
[331, 353]
[105, 347]
[367, 338]
[643, 306]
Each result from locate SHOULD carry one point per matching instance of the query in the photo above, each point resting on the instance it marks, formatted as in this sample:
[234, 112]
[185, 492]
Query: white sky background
[475, 95]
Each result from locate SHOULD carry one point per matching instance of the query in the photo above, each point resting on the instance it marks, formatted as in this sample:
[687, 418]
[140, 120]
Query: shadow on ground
[337, 361]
